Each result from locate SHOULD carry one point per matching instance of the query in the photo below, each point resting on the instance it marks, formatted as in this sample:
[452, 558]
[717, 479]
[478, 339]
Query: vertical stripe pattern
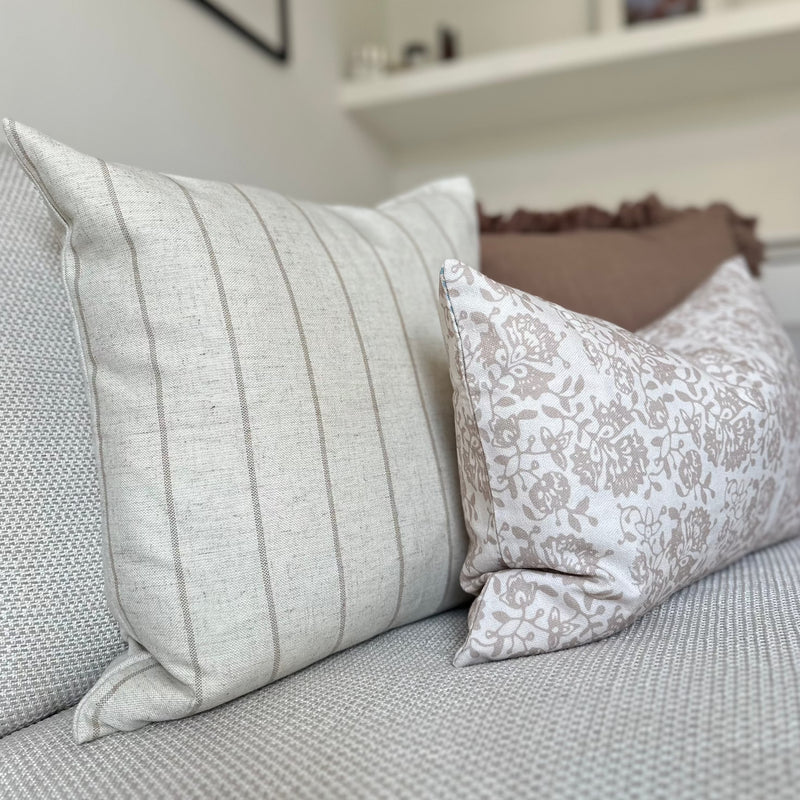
[375, 410]
[468, 216]
[323, 445]
[451, 570]
[438, 225]
[275, 416]
[244, 411]
[172, 521]
[425, 264]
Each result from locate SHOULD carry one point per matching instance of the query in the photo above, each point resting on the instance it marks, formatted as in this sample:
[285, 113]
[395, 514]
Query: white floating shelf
[715, 55]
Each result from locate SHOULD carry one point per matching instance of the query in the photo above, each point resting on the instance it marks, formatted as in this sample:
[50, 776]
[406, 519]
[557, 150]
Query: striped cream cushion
[273, 422]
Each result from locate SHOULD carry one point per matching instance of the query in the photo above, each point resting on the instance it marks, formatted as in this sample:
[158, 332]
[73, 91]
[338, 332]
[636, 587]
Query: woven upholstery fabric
[699, 698]
[56, 633]
[274, 424]
[603, 470]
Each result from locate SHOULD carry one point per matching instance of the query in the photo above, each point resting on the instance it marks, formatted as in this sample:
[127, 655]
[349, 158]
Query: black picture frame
[279, 51]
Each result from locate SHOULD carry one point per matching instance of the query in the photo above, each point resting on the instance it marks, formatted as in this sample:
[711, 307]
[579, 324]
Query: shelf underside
[636, 71]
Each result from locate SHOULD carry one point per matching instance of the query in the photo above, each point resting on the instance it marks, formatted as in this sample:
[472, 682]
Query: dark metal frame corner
[280, 52]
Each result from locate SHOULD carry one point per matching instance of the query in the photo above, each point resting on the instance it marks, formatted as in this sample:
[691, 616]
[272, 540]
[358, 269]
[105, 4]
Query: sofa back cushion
[56, 633]
[273, 417]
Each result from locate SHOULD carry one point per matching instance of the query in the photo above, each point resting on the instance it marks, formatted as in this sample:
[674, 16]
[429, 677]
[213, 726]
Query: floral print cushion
[603, 470]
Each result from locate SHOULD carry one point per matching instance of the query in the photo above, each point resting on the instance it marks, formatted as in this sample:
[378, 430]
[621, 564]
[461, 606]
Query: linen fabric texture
[273, 422]
[628, 277]
[56, 632]
[696, 699]
[602, 470]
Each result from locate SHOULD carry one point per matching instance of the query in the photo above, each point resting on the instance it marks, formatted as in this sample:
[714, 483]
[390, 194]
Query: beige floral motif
[690, 470]
[530, 340]
[570, 554]
[550, 493]
[604, 470]
[626, 465]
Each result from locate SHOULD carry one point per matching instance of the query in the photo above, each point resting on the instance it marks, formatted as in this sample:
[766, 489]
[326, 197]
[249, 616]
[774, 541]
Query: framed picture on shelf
[638, 11]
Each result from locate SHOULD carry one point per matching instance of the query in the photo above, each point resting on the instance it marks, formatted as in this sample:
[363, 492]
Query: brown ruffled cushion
[628, 276]
[643, 213]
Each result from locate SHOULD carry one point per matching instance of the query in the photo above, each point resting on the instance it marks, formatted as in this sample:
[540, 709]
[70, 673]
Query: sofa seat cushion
[699, 698]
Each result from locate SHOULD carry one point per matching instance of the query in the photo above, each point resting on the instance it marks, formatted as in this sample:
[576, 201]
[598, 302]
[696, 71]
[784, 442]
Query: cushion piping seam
[474, 418]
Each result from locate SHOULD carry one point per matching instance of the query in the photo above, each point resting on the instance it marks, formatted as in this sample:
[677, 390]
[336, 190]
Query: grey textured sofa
[700, 698]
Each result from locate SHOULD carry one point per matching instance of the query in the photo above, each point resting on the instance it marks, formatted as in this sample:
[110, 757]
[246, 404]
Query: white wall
[162, 84]
[360, 22]
[744, 151]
